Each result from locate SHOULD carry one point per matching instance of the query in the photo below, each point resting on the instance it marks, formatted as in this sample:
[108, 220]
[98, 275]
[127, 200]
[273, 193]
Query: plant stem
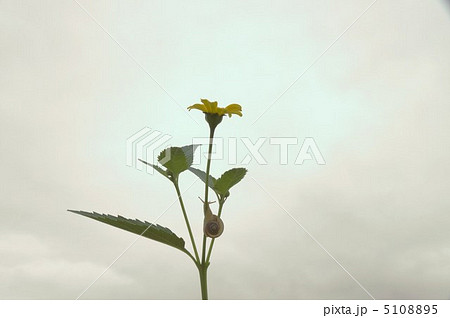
[204, 264]
[203, 250]
[190, 256]
[208, 164]
[175, 182]
[202, 269]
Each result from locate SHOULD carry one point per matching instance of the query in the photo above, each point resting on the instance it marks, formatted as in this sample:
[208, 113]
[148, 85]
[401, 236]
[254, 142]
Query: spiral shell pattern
[213, 226]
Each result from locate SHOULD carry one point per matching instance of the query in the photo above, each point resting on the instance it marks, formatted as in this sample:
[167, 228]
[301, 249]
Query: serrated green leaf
[152, 231]
[189, 151]
[177, 159]
[228, 180]
[202, 176]
[159, 169]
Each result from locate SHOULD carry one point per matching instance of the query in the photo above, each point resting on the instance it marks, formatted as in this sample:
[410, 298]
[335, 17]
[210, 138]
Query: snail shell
[213, 226]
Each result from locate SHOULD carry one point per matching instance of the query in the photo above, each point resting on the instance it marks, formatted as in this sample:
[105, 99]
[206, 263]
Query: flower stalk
[213, 122]
[186, 219]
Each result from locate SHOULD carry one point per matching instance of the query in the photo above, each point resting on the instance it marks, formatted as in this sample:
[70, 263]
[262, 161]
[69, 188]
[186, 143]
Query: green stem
[175, 182]
[204, 264]
[190, 256]
[203, 250]
[202, 269]
[208, 164]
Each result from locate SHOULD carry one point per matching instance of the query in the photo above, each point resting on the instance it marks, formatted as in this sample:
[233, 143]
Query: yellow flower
[212, 108]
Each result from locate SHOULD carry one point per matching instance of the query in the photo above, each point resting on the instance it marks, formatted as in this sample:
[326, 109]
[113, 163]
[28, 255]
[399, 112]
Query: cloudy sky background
[376, 103]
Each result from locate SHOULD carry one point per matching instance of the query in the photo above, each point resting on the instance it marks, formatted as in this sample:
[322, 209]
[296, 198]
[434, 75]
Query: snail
[212, 224]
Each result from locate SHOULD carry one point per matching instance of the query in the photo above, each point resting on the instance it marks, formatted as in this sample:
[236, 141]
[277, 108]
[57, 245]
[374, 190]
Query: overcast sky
[376, 103]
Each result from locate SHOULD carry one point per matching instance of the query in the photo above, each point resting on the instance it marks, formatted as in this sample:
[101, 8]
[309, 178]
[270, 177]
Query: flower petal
[233, 109]
[207, 104]
[198, 106]
[220, 111]
[214, 107]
